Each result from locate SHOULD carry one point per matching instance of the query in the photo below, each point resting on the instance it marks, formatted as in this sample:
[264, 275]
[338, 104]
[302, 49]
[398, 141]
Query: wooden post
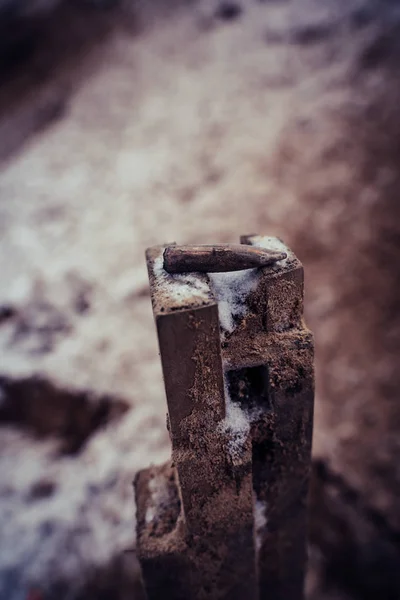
[217, 504]
[282, 429]
[228, 519]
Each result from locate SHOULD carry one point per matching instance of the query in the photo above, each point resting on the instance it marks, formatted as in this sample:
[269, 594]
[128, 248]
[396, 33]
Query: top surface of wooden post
[174, 292]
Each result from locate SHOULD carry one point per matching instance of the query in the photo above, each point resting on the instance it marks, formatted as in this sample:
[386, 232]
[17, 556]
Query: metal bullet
[218, 258]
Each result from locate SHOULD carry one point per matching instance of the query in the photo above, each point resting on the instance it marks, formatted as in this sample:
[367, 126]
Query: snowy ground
[136, 126]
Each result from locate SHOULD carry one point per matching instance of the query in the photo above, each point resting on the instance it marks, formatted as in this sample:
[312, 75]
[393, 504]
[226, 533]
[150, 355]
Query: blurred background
[125, 124]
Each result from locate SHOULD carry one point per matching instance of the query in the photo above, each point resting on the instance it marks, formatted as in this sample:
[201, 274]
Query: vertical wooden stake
[227, 520]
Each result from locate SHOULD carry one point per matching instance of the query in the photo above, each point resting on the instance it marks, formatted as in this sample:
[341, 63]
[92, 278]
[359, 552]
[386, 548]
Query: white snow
[272, 243]
[231, 290]
[260, 521]
[181, 287]
[92, 505]
[236, 425]
[158, 495]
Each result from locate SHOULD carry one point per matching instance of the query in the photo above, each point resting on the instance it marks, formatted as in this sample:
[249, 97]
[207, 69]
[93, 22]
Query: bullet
[218, 258]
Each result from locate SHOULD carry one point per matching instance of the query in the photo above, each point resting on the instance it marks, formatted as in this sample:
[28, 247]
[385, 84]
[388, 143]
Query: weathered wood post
[227, 519]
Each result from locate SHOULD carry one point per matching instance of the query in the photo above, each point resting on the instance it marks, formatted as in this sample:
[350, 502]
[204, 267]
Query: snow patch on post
[236, 425]
[260, 521]
[158, 497]
[273, 243]
[181, 287]
[231, 291]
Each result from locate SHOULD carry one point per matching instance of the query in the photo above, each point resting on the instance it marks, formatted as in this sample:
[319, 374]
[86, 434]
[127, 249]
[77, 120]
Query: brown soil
[196, 124]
